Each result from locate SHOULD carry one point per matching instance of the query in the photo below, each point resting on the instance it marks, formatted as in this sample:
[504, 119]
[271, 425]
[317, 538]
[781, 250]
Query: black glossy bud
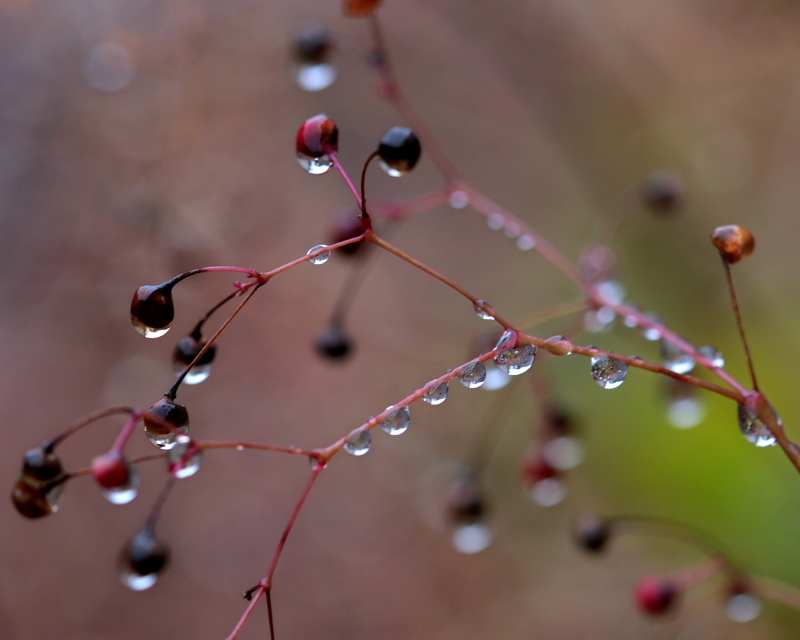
[142, 560]
[399, 151]
[333, 343]
[41, 464]
[593, 533]
[164, 421]
[152, 310]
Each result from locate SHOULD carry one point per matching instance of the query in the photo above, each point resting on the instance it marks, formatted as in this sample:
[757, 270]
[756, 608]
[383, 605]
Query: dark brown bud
[164, 421]
[733, 242]
[152, 310]
[42, 465]
[312, 46]
[663, 192]
[333, 343]
[593, 533]
[347, 225]
[36, 499]
[399, 151]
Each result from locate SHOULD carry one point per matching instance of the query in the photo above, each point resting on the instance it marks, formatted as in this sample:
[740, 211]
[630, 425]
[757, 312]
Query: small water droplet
[597, 320]
[320, 258]
[508, 338]
[526, 243]
[33, 499]
[496, 221]
[712, 354]
[496, 379]
[612, 291]
[549, 492]
[743, 607]
[482, 313]
[240, 447]
[754, 429]
[563, 453]
[197, 374]
[314, 165]
[396, 422]
[516, 361]
[675, 359]
[473, 375]
[164, 439]
[652, 333]
[472, 538]
[316, 77]
[685, 413]
[124, 493]
[458, 199]
[437, 394]
[359, 444]
[609, 372]
[179, 465]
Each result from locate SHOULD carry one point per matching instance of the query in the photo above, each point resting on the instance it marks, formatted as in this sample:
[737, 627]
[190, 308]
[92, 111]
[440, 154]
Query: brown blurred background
[141, 139]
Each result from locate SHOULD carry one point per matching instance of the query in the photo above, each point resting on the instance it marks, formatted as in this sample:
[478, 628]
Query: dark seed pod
[663, 193]
[184, 354]
[346, 225]
[593, 533]
[164, 421]
[333, 343]
[656, 595]
[399, 151]
[312, 46]
[41, 464]
[35, 499]
[733, 242]
[152, 310]
[360, 8]
[142, 560]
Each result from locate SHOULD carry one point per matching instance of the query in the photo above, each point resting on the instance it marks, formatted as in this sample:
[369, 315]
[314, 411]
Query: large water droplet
[359, 444]
[164, 439]
[124, 493]
[320, 258]
[314, 165]
[712, 354]
[316, 77]
[472, 538]
[754, 429]
[437, 394]
[396, 422]
[676, 359]
[482, 313]
[515, 361]
[563, 453]
[609, 372]
[148, 332]
[612, 291]
[473, 375]
[180, 465]
[743, 607]
[549, 492]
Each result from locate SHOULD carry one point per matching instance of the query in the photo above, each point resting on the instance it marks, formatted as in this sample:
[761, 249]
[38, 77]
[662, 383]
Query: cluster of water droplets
[320, 258]
[512, 229]
[609, 372]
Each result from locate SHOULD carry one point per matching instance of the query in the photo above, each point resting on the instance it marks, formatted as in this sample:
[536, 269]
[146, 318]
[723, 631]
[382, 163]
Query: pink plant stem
[335, 157]
[236, 444]
[698, 573]
[777, 591]
[266, 583]
[125, 434]
[92, 417]
[401, 210]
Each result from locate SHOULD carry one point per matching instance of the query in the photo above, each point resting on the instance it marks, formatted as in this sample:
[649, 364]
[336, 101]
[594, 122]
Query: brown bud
[164, 421]
[152, 310]
[733, 242]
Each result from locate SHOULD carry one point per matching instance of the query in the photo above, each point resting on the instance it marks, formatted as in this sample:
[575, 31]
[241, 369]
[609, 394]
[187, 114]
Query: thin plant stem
[83, 422]
[739, 323]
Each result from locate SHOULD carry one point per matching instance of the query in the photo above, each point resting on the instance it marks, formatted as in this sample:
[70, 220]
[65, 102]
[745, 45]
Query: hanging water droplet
[496, 221]
[142, 560]
[124, 493]
[182, 465]
[563, 453]
[685, 413]
[743, 607]
[472, 538]
[316, 77]
[549, 492]
[314, 165]
[676, 359]
[473, 375]
[652, 333]
[458, 199]
[609, 372]
[437, 394]
[164, 421]
[526, 243]
[496, 379]
[359, 444]
[612, 291]
[516, 361]
[754, 429]
[712, 354]
[483, 314]
[396, 422]
[509, 337]
[320, 258]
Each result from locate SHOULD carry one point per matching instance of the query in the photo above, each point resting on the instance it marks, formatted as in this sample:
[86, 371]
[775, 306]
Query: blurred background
[142, 139]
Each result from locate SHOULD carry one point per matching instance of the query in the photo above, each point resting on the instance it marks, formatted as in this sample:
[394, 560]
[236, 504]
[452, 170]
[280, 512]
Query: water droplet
[496, 221]
[685, 413]
[549, 492]
[148, 332]
[509, 337]
[124, 493]
[182, 464]
[675, 359]
[320, 258]
[458, 199]
[164, 438]
[197, 374]
[482, 313]
[472, 538]
[652, 333]
[240, 447]
[743, 607]
[496, 379]
[754, 429]
[473, 375]
[316, 77]
[142, 560]
[526, 243]
[437, 394]
[396, 422]
[314, 165]
[712, 354]
[359, 444]
[563, 453]
[609, 372]
[516, 361]
[612, 291]
[597, 320]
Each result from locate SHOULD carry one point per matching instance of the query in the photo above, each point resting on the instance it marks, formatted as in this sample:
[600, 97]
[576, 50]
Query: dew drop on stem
[473, 375]
[397, 421]
[359, 444]
[712, 354]
[320, 258]
[676, 359]
[516, 361]
[754, 429]
[437, 394]
[609, 372]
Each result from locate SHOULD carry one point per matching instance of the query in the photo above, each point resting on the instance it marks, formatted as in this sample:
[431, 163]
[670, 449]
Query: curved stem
[92, 417]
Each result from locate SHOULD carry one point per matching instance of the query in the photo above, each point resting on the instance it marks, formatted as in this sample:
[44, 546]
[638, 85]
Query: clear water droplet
[609, 372]
[33, 499]
[496, 221]
[125, 493]
[549, 492]
[396, 422]
[149, 332]
[197, 374]
[437, 394]
[496, 379]
[315, 166]
[458, 199]
[164, 439]
[316, 77]
[240, 447]
[473, 375]
[508, 338]
[564, 452]
[482, 313]
[515, 361]
[712, 354]
[136, 582]
[359, 444]
[652, 333]
[675, 359]
[526, 243]
[472, 538]
[612, 291]
[179, 465]
[743, 607]
[320, 258]
[754, 429]
[685, 413]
